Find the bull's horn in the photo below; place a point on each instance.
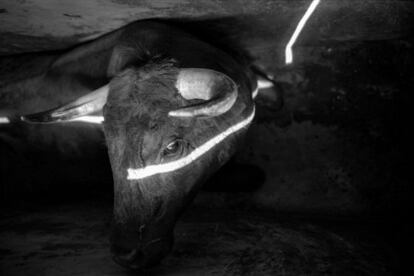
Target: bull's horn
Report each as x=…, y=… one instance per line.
x=218, y=90
x=87, y=104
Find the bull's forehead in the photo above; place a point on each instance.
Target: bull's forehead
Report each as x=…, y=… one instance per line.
x=145, y=93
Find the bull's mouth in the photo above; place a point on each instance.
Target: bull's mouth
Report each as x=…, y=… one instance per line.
x=142, y=257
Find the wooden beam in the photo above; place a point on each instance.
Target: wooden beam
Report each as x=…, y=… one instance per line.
x=36, y=25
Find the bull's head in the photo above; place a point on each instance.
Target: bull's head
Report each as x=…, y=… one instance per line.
x=163, y=126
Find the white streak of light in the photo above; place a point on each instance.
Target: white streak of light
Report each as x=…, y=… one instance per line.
x=299, y=27
x=90, y=119
x=263, y=84
x=4, y=120
x=255, y=92
x=134, y=174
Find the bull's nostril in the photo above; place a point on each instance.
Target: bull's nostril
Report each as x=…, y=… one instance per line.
x=157, y=210
x=157, y=207
x=152, y=242
x=124, y=255
x=129, y=257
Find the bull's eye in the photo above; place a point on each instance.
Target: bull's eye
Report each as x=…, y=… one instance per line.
x=173, y=148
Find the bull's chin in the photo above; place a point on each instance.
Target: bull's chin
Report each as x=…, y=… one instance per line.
x=143, y=257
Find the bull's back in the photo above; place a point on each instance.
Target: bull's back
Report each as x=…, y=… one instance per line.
x=54, y=79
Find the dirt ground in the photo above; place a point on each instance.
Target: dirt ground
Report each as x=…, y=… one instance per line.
x=72, y=239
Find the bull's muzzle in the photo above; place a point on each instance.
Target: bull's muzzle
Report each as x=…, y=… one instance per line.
x=133, y=254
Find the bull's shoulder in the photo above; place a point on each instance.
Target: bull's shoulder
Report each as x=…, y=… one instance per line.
x=90, y=58
x=94, y=57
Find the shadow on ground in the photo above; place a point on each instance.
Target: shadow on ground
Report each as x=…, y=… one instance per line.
x=72, y=239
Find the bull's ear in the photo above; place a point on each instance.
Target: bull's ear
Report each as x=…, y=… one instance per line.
x=87, y=104
x=217, y=90
x=122, y=56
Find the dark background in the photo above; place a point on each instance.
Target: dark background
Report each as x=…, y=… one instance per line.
x=321, y=186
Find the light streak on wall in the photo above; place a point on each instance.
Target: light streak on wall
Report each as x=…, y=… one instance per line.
x=299, y=27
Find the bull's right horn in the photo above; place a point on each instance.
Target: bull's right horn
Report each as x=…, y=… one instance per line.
x=217, y=89
x=87, y=104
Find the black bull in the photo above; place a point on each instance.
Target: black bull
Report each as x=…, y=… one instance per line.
x=174, y=107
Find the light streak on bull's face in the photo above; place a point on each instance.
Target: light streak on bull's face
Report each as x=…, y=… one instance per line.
x=158, y=162
x=188, y=159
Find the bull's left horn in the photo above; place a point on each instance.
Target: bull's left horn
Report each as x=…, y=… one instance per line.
x=217, y=89
x=87, y=104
